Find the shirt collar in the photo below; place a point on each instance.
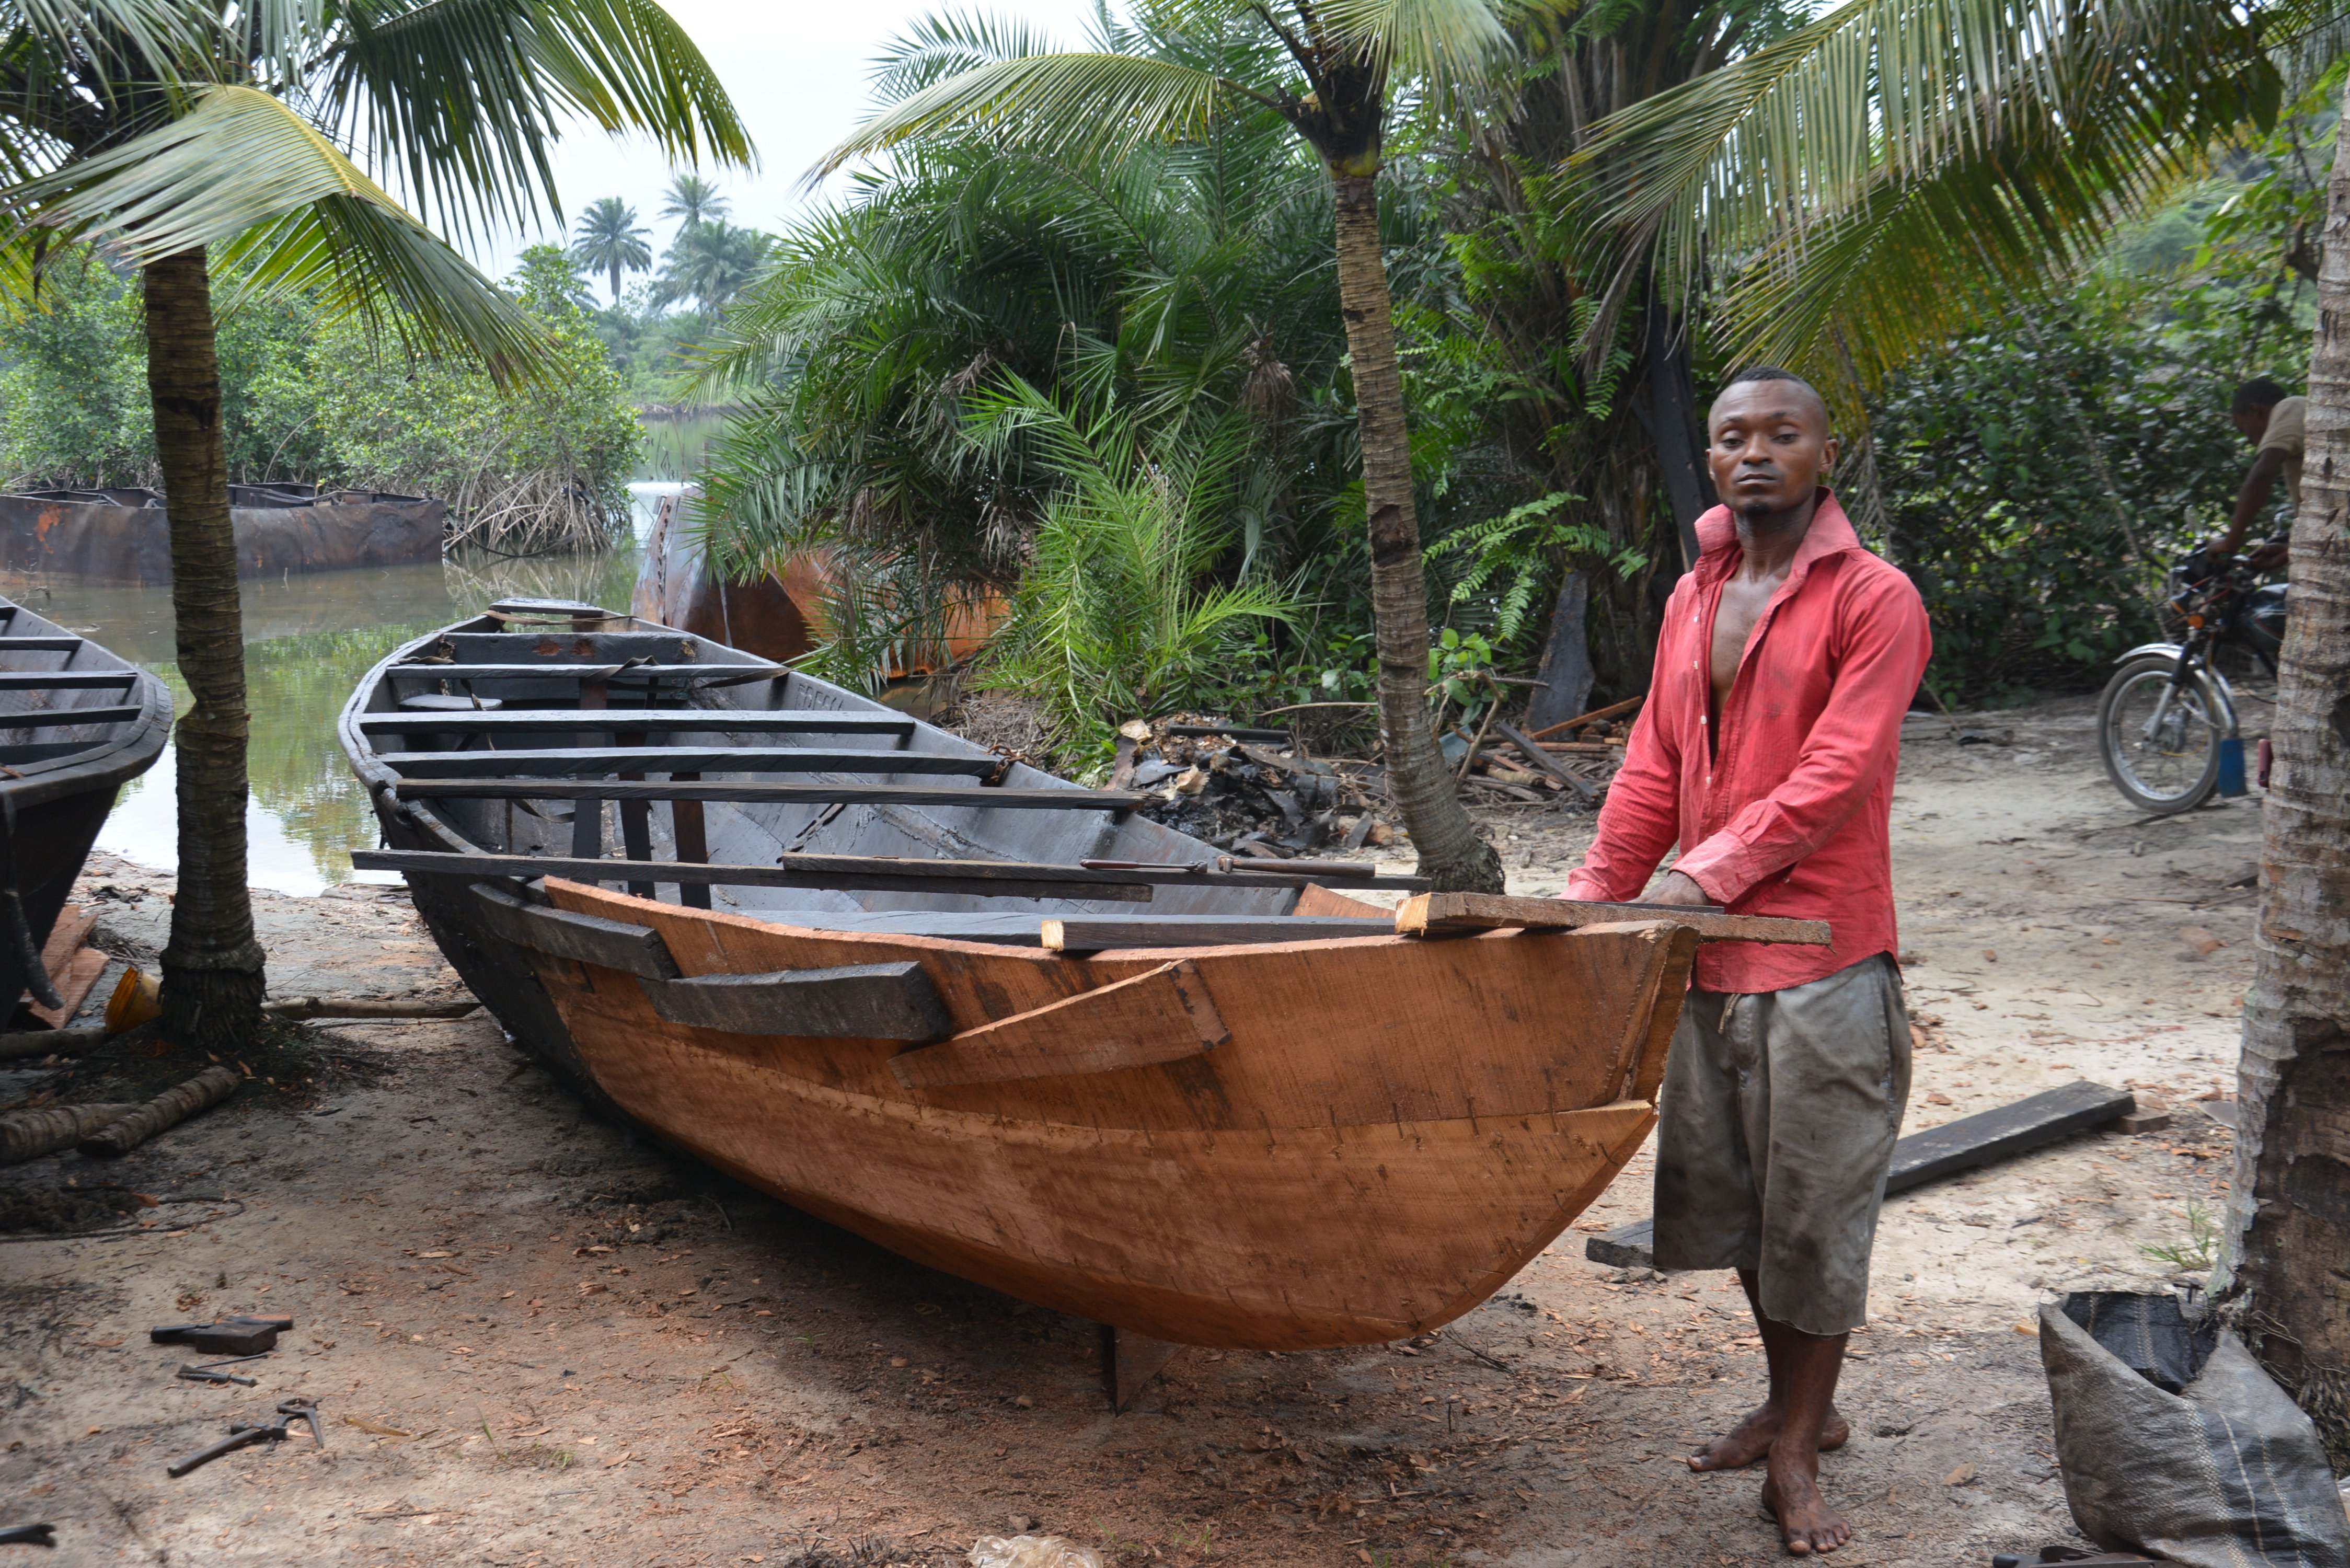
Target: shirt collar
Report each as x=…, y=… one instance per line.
x=1831, y=533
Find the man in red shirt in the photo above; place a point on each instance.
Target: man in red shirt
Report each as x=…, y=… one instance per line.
x=1766, y=751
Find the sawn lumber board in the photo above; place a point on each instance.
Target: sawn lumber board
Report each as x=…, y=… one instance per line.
x=1163, y=1015
x=1984, y=1139
x=1461, y=914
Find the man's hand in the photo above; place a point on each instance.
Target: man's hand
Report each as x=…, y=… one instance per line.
x=2271, y=556
x=1676, y=889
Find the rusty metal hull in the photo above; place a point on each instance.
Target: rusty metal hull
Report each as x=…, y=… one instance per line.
x=124, y=537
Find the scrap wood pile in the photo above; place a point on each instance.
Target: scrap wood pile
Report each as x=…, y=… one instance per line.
x=1249, y=790
x=1570, y=761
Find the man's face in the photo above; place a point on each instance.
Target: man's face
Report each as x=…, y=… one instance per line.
x=1770, y=446
x=2253, y=423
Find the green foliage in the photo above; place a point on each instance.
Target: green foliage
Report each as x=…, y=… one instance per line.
x=2199, y=1251
x=1116, y=617
x=1993, y=458
x=1522, y=548
x=311, y=397
x=609, y=241
x=1459, y=671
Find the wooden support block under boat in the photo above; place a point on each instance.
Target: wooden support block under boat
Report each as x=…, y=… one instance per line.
x=1164, y=1015
x=587, y=939
x=741, y=793
x=1465, y=914
x=852, y=1001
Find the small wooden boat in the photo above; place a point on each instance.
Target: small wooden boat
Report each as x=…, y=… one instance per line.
x=1001, y=1024
x=75, y=722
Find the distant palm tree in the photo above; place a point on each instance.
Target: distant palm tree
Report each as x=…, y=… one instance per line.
x=710, y=262
x=608, y=240
x=695, y=201
x=181, y=136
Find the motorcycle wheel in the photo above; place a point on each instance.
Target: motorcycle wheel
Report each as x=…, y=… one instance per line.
x=2174, y=769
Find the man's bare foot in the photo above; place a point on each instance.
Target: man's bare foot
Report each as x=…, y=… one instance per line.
x=1751, y=1438
x=1806, y=1523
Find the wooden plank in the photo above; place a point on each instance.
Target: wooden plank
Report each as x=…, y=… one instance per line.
x=1130, y=1360
x=741, y=721
x=588, y=939
x=1238, y=733
x=690, y=833
x=967, y=878
x=684, y=787
x=39, y=644
x=1533, y=753
x=1316, y=899
x=1593, y=717
x=590, y=759
x=1304, y=870
x=1460, y=914
x=57, y=717
x=1162, y=1015
x=855, y=1002
x=64, y=679
x=1986, y=1138
x=1092, y=933
x=427, y=670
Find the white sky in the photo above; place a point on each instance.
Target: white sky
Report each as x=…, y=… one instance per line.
x=797, y=71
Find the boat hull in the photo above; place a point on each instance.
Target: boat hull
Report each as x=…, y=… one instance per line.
x=1392, y=1130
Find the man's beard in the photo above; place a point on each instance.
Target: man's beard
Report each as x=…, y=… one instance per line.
x=1758, y=510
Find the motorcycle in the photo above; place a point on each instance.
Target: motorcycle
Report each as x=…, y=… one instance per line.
x=2167, y=724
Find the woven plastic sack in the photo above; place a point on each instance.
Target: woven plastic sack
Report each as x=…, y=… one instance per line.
x=1031, y=1552
x=2226, y=1473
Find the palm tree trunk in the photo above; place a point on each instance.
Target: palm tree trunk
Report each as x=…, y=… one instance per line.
x=212, y=979
x=2288, y=1204
x=1451, y=853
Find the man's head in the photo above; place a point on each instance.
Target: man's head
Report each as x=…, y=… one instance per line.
x=1768, y=441
x=2252, y=403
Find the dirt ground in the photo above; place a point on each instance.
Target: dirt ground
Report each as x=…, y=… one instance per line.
x=537, y=1339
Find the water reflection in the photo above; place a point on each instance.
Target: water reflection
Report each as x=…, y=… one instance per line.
x=309, y=639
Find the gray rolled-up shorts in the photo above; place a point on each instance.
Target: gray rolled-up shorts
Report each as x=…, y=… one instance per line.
x=1775, y=1127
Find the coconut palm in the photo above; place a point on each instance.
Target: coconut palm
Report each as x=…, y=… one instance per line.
x=1332, y=72
x=187, y=141
x=693, y=202
x=608, y=240
x=710, y=262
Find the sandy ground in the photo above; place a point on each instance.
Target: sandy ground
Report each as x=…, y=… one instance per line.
x=537, y=1339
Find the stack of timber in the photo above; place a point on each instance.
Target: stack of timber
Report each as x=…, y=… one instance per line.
x=123, y=535
x=77, y=722
x=1004, y=1025
x=1569, y=762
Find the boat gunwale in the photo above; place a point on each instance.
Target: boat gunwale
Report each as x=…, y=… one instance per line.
x=103, y=764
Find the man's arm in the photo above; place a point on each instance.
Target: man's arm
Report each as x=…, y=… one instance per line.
x=1851, y=745
x=2267, y=464
x=1641, y=818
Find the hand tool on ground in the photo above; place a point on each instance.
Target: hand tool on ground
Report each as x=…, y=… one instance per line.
x=244, y=1434
x=28, y=1535
x=206, y=1374
x=237, y=1336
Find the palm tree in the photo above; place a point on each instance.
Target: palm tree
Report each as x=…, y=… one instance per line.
x=1332, y=72
x=187, y=141
x=2290, y=1226
x=710, y=262
x=608, y=240
x=694, y=201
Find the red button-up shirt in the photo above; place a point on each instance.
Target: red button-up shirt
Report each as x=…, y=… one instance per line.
x=1787, y=815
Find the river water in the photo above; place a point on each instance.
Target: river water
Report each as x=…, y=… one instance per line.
x=307, y=640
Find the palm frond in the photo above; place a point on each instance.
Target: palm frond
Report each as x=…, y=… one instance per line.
x=1447, y=44
x=363, y=258
x=946, y=44
x=467, y=96
x=1061, y=103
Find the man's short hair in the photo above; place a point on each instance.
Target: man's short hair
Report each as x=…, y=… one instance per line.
x=1775, y=373
x=2260, y=392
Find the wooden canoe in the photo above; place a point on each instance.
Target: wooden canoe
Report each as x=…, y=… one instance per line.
x=824, y=970
x=77, y=722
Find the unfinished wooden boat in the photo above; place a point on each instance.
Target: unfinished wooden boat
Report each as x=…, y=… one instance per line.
x=76, y=723
x=1001, y=1024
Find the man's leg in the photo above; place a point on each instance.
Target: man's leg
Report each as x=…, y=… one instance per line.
x=1751, y=1438
x=1803, y=1373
